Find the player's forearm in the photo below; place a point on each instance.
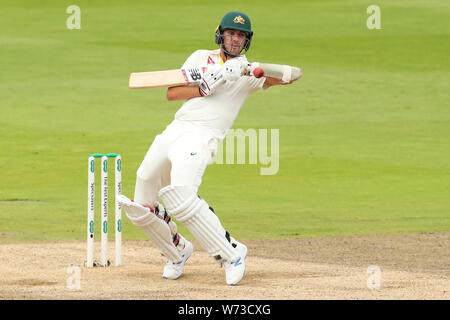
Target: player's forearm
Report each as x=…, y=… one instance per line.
x=182, y=93
x=274, y=81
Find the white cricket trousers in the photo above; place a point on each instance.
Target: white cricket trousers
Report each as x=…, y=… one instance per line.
x=178, y=156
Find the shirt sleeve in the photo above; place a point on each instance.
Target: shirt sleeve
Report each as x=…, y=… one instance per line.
x=194, y=60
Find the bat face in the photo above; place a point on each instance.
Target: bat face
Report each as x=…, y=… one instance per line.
x=166, y=78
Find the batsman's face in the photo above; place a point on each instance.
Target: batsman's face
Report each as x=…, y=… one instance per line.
x=234, y=40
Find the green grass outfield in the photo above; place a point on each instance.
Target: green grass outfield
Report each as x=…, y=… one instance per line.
x=364, y=135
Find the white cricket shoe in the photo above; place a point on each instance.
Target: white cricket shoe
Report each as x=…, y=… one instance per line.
x=234, y=272
x=174, y=270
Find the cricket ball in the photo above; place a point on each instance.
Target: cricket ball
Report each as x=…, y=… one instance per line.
x=258, y=72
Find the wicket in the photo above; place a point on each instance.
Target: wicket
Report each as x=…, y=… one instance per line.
x=104, y=209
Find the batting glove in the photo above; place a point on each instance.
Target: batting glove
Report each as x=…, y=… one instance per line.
x=233, y=69
x=212, y=78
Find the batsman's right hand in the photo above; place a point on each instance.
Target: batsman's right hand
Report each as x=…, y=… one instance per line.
x=212, y=78
x=233, y=69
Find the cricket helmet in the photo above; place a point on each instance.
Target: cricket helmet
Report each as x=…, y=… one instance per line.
x=234, y=20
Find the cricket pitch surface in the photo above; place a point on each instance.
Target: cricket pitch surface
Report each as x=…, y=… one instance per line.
x=410, y=266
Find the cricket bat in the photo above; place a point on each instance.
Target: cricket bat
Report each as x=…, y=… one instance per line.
x=193, y=76
x=166, y=78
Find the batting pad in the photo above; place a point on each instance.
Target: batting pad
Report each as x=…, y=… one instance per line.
x=184, y=204
x=156, y=229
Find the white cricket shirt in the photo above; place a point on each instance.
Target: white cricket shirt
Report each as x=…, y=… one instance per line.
x=218, y=111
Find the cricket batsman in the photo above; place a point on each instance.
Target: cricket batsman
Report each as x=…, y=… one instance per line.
x=172, y=169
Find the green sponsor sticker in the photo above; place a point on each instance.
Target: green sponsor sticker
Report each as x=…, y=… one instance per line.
x=119, y=225
x=105, y=227
x=91, y=227
x=105, y=165
x=119, y=165
x=92, y=165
